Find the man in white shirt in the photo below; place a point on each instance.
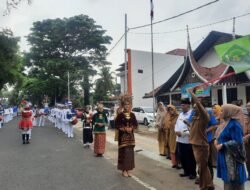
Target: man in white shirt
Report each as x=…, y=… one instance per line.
x=185, y=152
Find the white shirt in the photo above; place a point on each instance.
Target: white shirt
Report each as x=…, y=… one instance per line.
x=180, y=126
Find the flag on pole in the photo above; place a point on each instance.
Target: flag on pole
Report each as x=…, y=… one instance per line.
x=236, y=54
x=151, y=9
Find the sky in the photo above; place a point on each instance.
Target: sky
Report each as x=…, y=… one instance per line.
x=110, y=14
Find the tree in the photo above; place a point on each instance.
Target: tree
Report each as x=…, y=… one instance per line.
x=10, y=59
x=12, y=4
x=104, y=85
x=74, y=44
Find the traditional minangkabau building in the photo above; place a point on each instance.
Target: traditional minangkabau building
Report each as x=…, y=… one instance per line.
x=139, y=72
x=204, y=66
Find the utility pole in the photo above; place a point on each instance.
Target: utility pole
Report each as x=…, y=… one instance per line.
x=125, y=58
x=68, y=88
x=152, y=56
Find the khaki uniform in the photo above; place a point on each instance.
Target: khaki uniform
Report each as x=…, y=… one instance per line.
x=200, y=146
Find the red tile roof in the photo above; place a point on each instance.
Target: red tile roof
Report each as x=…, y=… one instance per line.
x=204, y=73
x=178, y=51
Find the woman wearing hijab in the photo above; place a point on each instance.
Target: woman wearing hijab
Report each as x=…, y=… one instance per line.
x=126, y=123
x=230, y=147
x=217, y=112
x=162, y=132
x=170, y=122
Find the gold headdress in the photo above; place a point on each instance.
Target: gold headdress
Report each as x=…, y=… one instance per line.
x=125, y=98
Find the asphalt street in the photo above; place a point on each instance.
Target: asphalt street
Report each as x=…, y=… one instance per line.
x=54, y=162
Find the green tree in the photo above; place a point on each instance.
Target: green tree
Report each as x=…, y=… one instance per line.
x=13, y=4
x=74, y=44
x=104, y=85
x=10, y=59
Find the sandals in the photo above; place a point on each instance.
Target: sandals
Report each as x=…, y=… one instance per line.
x=125, y=174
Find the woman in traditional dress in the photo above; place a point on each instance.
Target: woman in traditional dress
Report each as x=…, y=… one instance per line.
x=99, y=122
x=230, y=147
x=162, y=132
x=26, y=123
x=170, y=121
x=126, y=123
x=87, y=127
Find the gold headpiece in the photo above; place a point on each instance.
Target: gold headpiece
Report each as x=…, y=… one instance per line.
x=125, y=98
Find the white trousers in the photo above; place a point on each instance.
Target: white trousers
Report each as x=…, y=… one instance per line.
x=70, y=131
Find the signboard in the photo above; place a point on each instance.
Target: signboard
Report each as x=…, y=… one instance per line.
x=203, y=91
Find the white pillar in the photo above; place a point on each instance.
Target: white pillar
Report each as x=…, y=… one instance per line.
x=170, y=98
x=214, y=95
x=224, y=94
x=241, y=94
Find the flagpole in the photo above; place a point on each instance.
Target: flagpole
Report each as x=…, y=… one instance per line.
x=152, y=55
x=125, y=59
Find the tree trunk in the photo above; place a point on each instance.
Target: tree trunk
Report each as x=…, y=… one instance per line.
x=86, y=88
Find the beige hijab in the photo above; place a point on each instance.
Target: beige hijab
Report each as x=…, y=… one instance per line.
x=161, y=112
x=230, y=111
x=170, y=119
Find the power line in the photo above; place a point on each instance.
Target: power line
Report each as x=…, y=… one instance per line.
x=195, y=27
x=176, y=16
x=116, y=44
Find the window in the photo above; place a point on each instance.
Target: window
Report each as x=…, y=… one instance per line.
x=140, y=71
x=231, y=95
x=135, y=109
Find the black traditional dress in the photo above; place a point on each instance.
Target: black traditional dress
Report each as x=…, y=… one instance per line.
x=126, y=123
x=87, y=128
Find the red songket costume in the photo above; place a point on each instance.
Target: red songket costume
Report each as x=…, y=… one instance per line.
x=26, y=122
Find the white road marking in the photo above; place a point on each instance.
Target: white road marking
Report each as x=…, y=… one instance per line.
x=143, y=183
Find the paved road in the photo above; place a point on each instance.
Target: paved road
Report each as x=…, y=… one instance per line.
x=53, y=162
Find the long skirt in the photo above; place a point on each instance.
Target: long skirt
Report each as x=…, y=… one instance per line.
x=162, y=141
x=233, y=186
x=99, y=143
x=87, y=135
x=172, y=141
x=126, y=158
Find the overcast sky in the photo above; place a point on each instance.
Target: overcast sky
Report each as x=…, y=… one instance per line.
x=110, y=15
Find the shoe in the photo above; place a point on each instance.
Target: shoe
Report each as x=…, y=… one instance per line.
x=174, y=166
x=129, y=174
x=197, y=181
x=178, y=167
x=99, y=155
x=192, y=177
x=211, y=188
x=124, y=174
x=183, y=175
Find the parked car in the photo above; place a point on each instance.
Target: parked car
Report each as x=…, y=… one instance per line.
x=143, y=114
